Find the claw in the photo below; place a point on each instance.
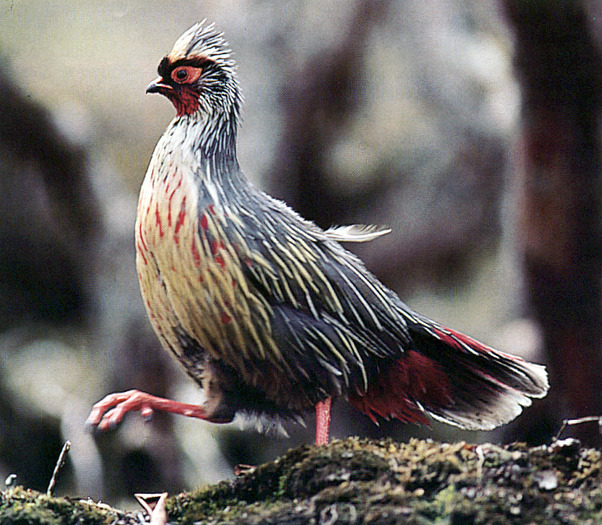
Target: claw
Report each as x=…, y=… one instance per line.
x=147, y=413
x=109, y=411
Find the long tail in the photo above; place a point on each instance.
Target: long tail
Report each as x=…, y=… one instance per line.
x=455, y=379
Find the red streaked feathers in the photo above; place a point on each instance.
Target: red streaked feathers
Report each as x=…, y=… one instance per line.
x=171, y=196
x=181, y=216
x=195, y=254
x=158, y=220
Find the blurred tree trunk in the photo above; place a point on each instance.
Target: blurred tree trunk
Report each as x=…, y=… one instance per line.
x=559, y=165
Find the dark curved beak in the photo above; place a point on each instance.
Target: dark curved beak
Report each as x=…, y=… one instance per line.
x=158, y=86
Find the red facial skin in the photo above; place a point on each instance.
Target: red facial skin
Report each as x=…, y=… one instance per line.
x=179, y=89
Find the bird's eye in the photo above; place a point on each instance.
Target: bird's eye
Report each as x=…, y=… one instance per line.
x=185, y=74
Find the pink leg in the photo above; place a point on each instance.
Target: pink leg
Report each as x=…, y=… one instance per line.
x=109, y=411
x=322, y=421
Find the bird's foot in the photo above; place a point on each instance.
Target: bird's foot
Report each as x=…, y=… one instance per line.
x=109, y=411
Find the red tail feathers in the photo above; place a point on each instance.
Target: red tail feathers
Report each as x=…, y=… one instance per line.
x=452, y=378
x=412, y=379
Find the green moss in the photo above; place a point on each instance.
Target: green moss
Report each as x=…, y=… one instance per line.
x=419, y=482
x=374, y=482
x=28, y=507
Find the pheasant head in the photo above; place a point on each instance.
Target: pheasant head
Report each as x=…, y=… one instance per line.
x=198, y=77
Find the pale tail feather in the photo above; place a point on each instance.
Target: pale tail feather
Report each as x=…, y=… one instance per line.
x=356, y=233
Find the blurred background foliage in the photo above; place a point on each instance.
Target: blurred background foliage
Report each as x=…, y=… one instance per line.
x=471, y=128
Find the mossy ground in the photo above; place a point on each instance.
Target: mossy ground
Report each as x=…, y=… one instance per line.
x=376, y=482
x=28, y=507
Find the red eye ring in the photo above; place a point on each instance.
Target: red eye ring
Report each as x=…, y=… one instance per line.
x=185, y=74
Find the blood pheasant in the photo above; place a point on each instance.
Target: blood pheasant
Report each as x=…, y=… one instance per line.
x=268, y=312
